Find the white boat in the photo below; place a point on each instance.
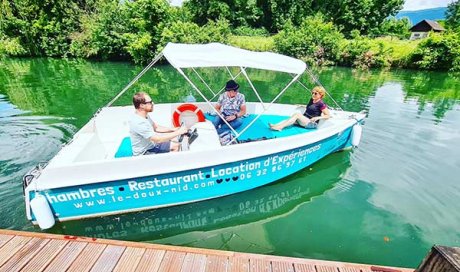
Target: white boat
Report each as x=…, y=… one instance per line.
x=96, y=175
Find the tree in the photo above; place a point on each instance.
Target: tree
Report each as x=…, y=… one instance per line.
x=393, y=27
x=453, y=15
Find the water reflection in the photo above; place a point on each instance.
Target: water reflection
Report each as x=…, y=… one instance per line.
x=265, y=203
x=25, y=140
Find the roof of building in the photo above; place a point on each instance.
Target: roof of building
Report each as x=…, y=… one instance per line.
x=430, y=23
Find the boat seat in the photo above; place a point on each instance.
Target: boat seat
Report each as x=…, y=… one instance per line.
x=125, y=149
x=261, y=129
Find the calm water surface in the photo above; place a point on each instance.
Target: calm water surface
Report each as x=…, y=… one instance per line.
x=385, y=203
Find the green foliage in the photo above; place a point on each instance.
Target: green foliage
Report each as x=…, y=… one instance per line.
x=253, y=43
x=274, y=14
x=186, y=32
x=453, y=15
x=362, y=15
x=248, y=31
x=438, y=52
x=11, y=47
x=42, y=27
x=237, y=12
x=315, y=41
x=121, y=31
x=393, y=27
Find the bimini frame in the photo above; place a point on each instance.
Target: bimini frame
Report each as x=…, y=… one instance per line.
x=179, y=68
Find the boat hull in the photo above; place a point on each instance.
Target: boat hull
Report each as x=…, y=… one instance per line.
x=168, y=189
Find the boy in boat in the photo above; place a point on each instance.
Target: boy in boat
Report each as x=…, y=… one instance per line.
x=146, y=136
x=232, y=106
x=316, y=109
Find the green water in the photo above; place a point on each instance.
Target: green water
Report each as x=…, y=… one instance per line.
x=385, y=203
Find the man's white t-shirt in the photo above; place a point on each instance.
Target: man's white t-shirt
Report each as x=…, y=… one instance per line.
x=141, y=130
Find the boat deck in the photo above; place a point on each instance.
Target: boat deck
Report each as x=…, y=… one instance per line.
x=30, y=251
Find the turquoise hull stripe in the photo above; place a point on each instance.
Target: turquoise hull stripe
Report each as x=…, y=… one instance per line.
x=187, y=186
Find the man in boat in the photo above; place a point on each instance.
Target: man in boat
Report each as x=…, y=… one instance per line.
x=146, y=136
x=316, y=109
x=232, y=106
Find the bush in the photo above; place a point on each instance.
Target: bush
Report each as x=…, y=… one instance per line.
x=253, y=43
x=186, y=32
x=247, y=31
x=440, y=51
x=393, y=27
x=11, y=47
x=314, y=41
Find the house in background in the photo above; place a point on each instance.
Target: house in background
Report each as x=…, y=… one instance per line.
x=421, y=29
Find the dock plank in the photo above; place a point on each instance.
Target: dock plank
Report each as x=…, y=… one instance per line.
x=151, y=260
x=194, y=263
x=86, y=259
x=303, y=267
x=5, y=238
x=259, y=265
x=130, y=259
x=350, y=269
x=45, y=255
x=238, y=264
x=172, y=261
x=216, y=263
x=326, y=268
x=282, y=267
x=24, y=255
x=11, y=247
x=108, y=259
x=66, y=257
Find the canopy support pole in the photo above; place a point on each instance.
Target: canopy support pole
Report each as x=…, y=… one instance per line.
x=204, y=97
x=267, y=108
x=243, y=70
x=317, y=82
x=204, y=82
x=223, y=88
x=155, y=60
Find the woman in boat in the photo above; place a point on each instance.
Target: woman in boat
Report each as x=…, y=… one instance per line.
x=232, y=106
x=316, y=109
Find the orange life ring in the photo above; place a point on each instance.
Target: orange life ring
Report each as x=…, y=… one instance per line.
x=187, y=107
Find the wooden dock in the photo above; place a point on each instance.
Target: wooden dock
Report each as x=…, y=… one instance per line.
x=30, y=251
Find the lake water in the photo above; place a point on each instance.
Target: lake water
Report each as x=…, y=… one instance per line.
x=386, y=202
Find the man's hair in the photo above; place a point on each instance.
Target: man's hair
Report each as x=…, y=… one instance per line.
x=138, y=99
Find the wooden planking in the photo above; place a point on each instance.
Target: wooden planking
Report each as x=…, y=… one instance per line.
x=24, y=255
x=45, y=256
x=278, y=266
x=11, y=247
x=66, y=257
x=238, y=264
x=4, y=238
x=108, y=259
x=259, y=265
x=194, y=263
x=130, y=259
x=216, y=263
x=303, y=267
x=84, y=262
x=23, y=251
x=151, y=260
x=350, y=269
x=172, y=261
x=326, y=268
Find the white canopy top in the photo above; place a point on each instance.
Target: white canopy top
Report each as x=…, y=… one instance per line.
x=220, y=55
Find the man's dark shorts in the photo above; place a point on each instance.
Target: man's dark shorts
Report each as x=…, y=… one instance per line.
x=159, y=148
